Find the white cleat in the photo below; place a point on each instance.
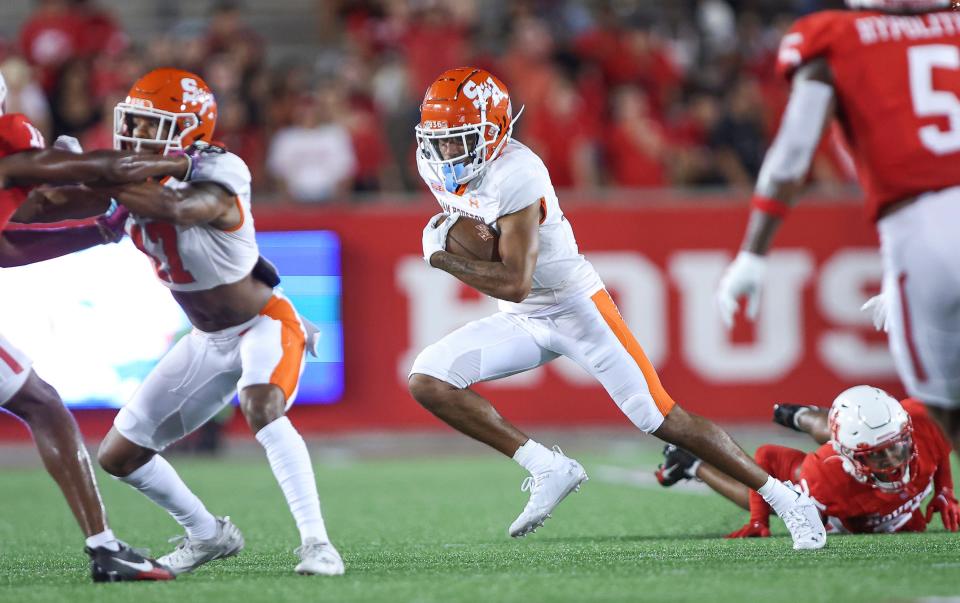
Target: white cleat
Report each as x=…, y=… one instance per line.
x=318, y=559
x=806, y=527
x=191, y=554
x=547, y=490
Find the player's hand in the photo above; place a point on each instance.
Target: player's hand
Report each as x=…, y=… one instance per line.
x=67, y=143
x=877, y=306
x=112, y=223
x=743, y=278
x=945, y=503
x=754, y=529
x=435, y=235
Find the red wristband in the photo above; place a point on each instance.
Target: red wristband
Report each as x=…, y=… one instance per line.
x=770, y=206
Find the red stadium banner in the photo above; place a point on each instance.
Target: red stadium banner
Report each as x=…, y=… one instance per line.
x=661, y=263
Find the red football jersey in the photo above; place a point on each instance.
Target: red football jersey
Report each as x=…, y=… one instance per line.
x=862, y=508
x=16, y=134
x=897, y=81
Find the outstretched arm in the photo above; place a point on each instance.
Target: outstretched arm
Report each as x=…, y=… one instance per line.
x=782, y=176
x=22, y=247
x=55, y=166
x=511, y=278
x=197, y=203
x=44, y=205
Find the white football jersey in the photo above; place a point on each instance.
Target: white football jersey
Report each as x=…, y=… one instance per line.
x=201, y=257
x=513, y=181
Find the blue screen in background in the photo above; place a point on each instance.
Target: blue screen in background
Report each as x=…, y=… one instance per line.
x=96, y=322
x=309, y=264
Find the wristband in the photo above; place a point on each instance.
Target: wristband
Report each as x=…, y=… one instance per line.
x=770, y=206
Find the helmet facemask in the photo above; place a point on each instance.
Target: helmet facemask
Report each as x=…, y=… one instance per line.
x=172, y=128
x=885, y=465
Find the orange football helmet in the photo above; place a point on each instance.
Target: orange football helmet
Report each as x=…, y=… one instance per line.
x=182, y=103
x=471, y=105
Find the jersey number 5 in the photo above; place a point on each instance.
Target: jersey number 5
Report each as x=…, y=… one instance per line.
x=929, y=102
x=163, y=234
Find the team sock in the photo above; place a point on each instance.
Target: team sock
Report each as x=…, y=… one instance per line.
x=778, y=495
x=534, y=457
x=290, y=461
x=159, y=482
x=104, y=539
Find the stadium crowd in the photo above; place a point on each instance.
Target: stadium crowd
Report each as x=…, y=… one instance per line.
x=627, y=93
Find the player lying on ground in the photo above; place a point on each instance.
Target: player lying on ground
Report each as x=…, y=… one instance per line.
x=552, y=304
x=906, y=148
x=197, y=227
x=878, y=462
x=25, y=163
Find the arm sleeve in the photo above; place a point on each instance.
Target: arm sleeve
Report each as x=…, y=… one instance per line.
x=792, y=151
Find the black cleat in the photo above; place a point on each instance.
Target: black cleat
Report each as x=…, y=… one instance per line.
x=786, y=414
x=124, y=565
x=677, y=465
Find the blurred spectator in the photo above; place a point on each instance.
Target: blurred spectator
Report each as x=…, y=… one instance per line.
x=738, y=139
x=313, y=160
x=624, y=93
x=74, y=107
x=60, y=30
x=636, y=148
x=24, y=95
x=560, y=135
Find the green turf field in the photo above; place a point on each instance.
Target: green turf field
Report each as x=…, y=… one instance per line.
x=435, y=530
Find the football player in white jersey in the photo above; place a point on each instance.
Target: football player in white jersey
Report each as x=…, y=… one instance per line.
x=552, y=303
x=197, y=228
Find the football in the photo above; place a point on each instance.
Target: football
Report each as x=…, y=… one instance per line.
x=470, y=238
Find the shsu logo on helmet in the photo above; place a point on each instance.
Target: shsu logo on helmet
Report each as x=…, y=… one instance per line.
x=481, y=93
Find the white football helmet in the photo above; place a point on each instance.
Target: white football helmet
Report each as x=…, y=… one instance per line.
x=900, y=6
x=873, y=436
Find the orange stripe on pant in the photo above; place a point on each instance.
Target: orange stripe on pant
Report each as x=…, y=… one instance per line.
x=611, y=315
x=292, y=341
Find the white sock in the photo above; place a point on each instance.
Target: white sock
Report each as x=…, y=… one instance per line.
x=159, y=482
x=778, y=495
x=104, y=539
x=290, y=462
x=533, y=457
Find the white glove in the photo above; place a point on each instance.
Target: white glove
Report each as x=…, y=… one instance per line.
x=743, y=278
x=435, y=237
x=877, y=306
x=67, y=143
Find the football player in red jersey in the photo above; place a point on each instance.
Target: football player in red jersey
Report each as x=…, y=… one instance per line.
x=878, y=461
x=24, y=163
x=889, y=71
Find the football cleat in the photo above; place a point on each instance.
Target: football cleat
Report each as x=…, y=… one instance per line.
x=677, y=465
x=786, y=414
x=124, y=565
x=547, y=489
x=318, y=559
x=191, y=554
x=805, y=525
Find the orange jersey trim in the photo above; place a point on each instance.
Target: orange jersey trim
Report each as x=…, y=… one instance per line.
x=243, y=217
x=293, y=342
x=611, y=315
